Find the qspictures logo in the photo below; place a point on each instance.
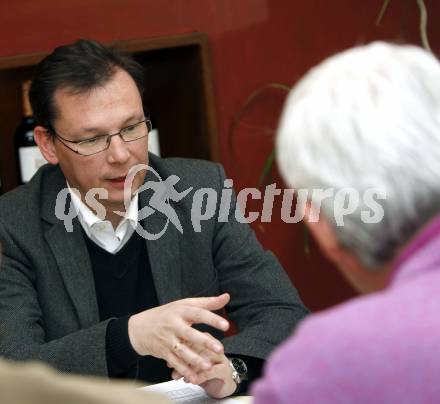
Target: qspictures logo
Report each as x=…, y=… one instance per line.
x=207, y=202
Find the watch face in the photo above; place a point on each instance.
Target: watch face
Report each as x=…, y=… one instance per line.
x=240, y=367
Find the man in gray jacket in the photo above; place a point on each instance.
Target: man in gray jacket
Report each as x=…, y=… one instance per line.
x=108, y=264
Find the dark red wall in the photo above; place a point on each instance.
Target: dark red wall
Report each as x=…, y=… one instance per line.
x=253, y=42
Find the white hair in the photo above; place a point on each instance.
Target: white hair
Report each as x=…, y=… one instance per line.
x=368, y=117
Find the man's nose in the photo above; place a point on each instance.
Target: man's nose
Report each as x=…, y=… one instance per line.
x=117, y=150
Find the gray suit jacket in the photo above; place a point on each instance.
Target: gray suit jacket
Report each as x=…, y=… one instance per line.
x=48, y=307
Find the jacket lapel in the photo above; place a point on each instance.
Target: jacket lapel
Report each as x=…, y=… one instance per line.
x=71, y=255
x=73, y=262
x=163, y=252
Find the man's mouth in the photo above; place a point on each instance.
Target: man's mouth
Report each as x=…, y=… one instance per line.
x=118, y=180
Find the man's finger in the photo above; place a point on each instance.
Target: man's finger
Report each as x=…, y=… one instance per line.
x=216, y=372
x=176, y=375
x=199, y=340
x=181, y=367
x=209, y=354
x=197, y=362
x=196, y=315
x=209, y=303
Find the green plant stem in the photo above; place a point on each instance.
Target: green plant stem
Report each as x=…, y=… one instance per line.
x=382, y=11
x=267, y=168
x=424, y=25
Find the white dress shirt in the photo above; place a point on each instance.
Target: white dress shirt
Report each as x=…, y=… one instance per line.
x=100, y=231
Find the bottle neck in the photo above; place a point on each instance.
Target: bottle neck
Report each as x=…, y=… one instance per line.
x=27, y=109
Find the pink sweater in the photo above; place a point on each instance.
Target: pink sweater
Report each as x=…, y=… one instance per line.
x=378, y=348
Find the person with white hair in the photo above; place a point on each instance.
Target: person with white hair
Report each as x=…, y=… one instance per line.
x=360, y=136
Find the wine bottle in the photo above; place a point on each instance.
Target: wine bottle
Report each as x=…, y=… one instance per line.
x=28, y=154
x=153, y=139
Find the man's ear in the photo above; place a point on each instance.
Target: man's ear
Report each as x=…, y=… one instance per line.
x=347, y=263
x=44, y=140
x=323, y=232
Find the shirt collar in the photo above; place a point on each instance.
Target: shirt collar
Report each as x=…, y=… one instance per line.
x=90, y=219
x=421, y=254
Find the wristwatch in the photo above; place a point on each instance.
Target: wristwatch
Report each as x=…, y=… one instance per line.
x=239, y=370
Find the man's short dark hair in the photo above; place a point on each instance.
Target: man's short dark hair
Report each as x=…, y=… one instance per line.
x=80, y=67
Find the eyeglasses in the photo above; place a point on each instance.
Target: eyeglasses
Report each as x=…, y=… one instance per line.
x=97, y=144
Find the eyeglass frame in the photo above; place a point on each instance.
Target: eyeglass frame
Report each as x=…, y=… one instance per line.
x=109, y=136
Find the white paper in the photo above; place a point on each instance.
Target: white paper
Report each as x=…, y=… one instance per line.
x=186, y=393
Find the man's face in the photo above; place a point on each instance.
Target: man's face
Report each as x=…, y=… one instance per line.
x=103, y=110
